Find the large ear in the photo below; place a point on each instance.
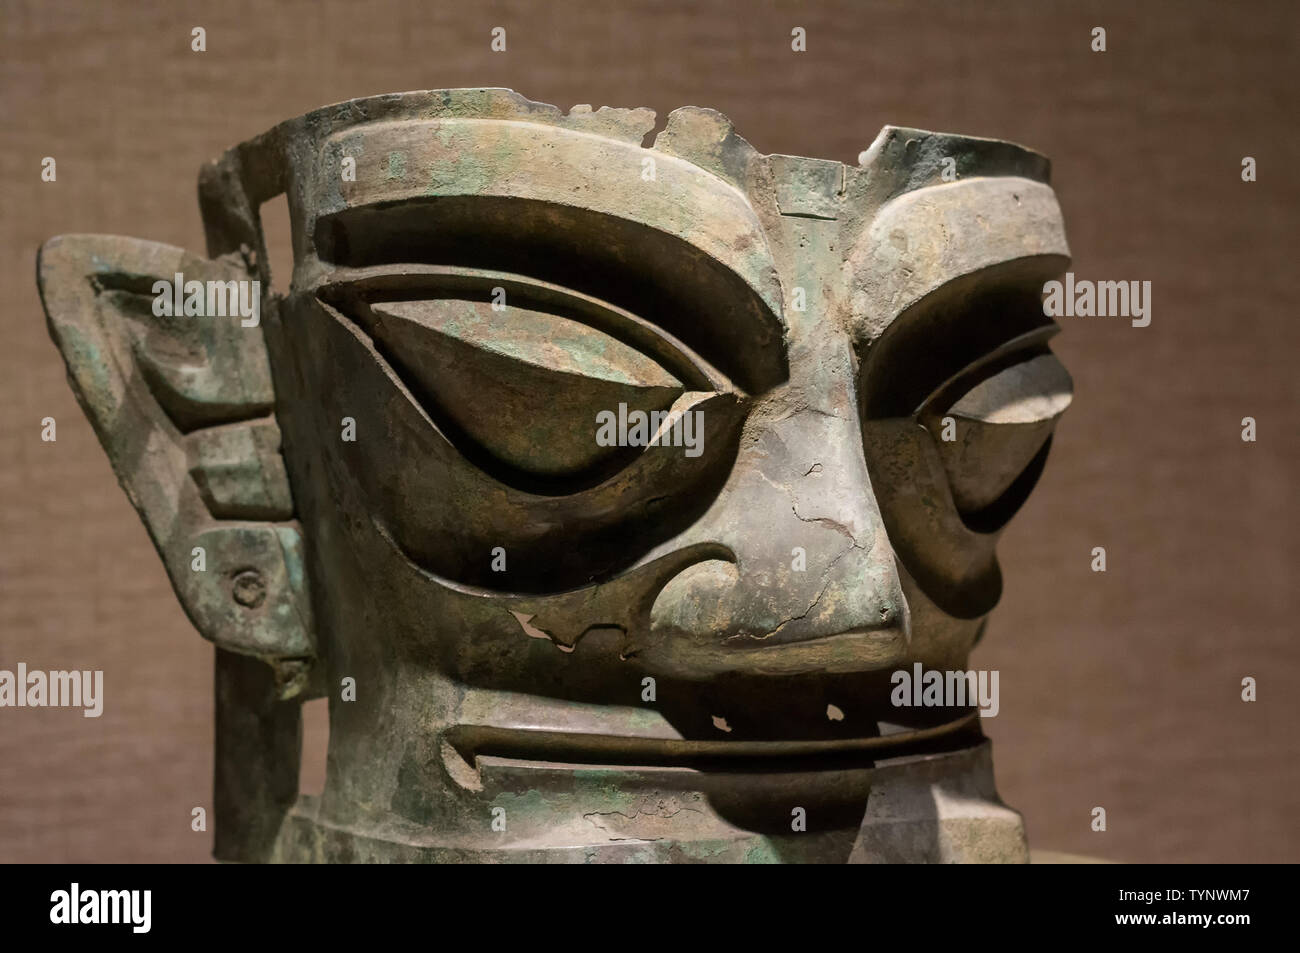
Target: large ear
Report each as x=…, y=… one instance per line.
x=183, y=405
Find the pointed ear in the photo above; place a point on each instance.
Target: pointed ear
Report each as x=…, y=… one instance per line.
x=183, y=405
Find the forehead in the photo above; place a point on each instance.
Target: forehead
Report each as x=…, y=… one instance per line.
x=510, y=188
x=488, y=178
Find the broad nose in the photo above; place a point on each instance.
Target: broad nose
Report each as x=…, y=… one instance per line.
x=814, y=585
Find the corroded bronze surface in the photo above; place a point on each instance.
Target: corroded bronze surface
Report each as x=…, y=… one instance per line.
x=421, y=482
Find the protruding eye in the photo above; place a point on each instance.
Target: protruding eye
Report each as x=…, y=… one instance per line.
x=491, y=425
x=519, y=375
x=524, y=385
x=999, y=423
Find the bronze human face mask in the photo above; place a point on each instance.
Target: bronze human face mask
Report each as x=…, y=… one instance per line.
x=601, y=486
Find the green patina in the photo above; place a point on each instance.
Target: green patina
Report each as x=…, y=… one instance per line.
x=396, y=168
x=602, y=785
x=531, y=803
x=705, y=850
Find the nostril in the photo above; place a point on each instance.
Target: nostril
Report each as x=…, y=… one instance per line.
x=894, y=611
x=699, y=599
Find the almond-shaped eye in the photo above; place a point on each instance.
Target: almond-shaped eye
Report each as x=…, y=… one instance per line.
x=999, y=425
x=524, y=385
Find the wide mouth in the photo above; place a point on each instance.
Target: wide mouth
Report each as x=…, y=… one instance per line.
x=470, y=743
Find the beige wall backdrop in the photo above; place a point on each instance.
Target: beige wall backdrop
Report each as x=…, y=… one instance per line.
x=1119, y=690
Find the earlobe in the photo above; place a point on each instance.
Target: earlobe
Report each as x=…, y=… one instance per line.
x=182, y=401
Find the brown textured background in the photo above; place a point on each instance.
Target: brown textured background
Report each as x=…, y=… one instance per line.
x=1118, y=689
